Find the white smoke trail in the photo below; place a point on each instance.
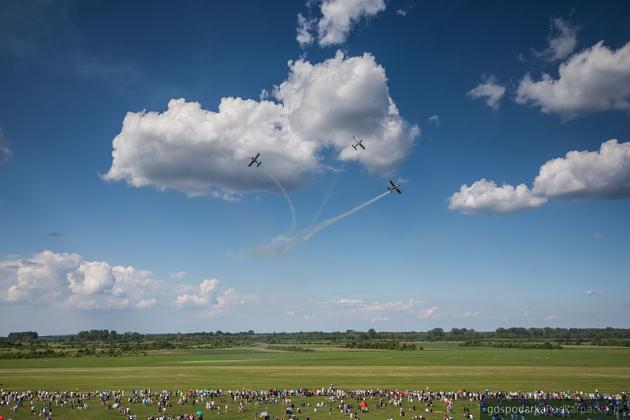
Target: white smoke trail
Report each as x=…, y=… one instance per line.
x=286, y=196
x=264, y=249
x=325, y=200
x=309, y=233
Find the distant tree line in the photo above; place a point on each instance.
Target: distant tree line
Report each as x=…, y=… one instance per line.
x=135, y=341
x=511, y=344
x=289, y=348
x=16, y=337
x=590, y=334
x=106, y=335
x=383, y=345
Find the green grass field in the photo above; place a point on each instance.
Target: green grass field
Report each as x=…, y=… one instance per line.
x=440, y=366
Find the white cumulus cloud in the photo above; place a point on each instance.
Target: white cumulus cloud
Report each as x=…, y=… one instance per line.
x=485, y=196
x=41, y=279
x=62, y=279
x=594, y=80
x=227, y=300
x=583, y=174
x=66, y=280
x=213, y=301
x=319, y=106
x=602, y=174
x=337, y=18
x=489, y=89
x=202, y=297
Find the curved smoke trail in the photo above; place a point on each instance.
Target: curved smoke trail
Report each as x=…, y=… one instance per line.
x=325, y=201
x=286, y=197
x=309, y=233
x=283, y=238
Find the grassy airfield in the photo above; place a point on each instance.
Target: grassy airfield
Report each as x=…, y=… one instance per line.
x=440, y=366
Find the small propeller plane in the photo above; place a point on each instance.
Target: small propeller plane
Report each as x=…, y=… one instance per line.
x=255, y=160
x=359, y=143
x=393, y=187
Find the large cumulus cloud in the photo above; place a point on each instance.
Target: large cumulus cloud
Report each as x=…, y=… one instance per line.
x=67, y=280
x=594, y=80
x=485, y=196
x=604, y=173
x=601, y=174
x=319, y=106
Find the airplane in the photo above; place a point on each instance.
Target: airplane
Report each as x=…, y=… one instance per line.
x=393, y=187
x=359, y=143
x=255, y=160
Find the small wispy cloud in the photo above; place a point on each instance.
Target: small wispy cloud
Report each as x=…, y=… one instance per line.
x=372, y=310
x=5, y=152
x=349, y=302
x=562, y=41
x=380, y=319
x=44, y=33
x=337, y=19
x=398, y=305
x=177, y=275
x=598, y=236
x=428, y=313
x=434, y=119
x=471, y=314
x=489, y=89
x=404, y=11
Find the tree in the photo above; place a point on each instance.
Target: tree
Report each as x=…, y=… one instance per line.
x=15, y=337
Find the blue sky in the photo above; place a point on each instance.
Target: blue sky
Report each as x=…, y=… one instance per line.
x=134, y=242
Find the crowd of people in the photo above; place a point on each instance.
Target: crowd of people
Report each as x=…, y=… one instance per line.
x=353, y=403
